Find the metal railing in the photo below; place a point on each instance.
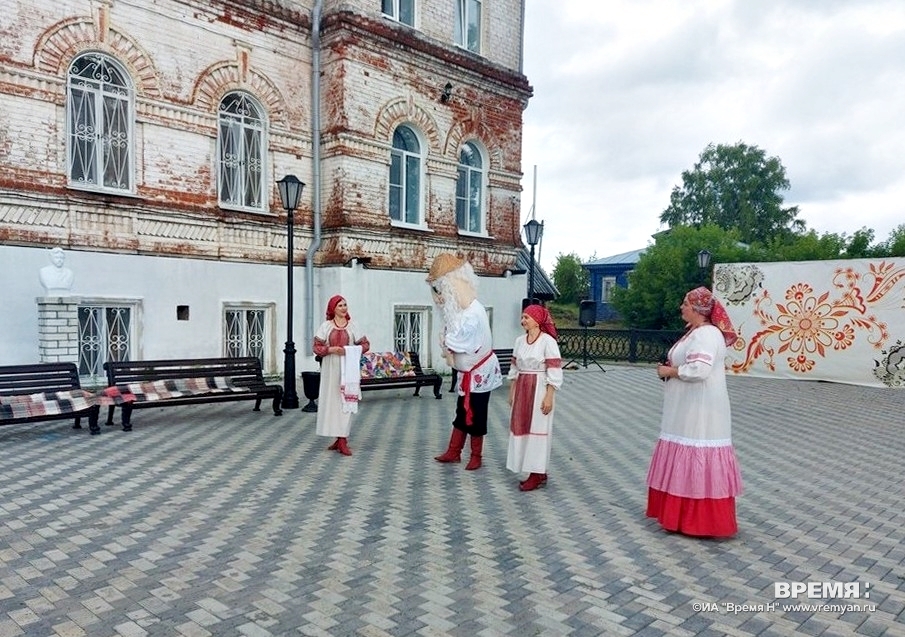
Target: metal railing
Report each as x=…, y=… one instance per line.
x=634, y=346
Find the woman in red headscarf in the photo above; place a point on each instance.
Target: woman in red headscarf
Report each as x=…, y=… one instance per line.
x=332, y=342
x=535, y=375
x=694, y=477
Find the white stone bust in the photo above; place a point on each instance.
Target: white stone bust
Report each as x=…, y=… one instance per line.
x=56, y=277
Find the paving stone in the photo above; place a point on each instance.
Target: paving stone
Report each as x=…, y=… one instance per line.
x=217, y=520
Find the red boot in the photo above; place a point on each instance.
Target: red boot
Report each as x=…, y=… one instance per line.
x=477, y=446
x=342, y=446
x=334, y=446
x=534, y=481
x=543, y=479
x=454, y=451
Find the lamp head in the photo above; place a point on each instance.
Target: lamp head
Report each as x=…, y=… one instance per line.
x=534, y=230
x=704, y=257
x=290, y=192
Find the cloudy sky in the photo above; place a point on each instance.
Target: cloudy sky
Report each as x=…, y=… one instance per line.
x=628, y=93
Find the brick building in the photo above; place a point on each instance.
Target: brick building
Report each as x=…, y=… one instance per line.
x=146, y=139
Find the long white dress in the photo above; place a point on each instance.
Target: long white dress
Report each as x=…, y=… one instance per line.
x=331, y=419
x=534, y=366
x=694, y=476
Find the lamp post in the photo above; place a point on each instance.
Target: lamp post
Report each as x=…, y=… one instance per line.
x=290, y=192
x=704, y=257
x=534, y=230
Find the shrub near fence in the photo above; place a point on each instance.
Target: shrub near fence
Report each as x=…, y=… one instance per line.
x=634, y=346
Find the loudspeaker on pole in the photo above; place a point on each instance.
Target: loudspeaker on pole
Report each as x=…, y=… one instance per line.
x=587, y=313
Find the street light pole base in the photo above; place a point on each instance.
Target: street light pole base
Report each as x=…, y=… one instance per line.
x=290, y=393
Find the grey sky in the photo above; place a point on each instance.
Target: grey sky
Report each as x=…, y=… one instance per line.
x=628, y=93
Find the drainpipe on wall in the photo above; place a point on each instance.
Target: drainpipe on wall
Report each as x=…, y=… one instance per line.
x=315, y=171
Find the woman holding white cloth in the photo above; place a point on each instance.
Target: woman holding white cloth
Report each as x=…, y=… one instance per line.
x=535, y=375
x=334, y=408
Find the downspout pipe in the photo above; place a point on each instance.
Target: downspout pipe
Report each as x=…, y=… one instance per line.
x=315, y=172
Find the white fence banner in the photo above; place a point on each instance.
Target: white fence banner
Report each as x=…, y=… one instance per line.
x=841, y=321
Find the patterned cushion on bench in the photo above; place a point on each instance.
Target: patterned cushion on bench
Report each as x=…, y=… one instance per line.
x=386, y=365
x=52, y=403
x=152, y=390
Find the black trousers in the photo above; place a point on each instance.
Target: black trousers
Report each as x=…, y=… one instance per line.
x=479, y=403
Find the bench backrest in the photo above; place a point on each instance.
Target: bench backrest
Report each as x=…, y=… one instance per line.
x=505, y=358
x=40, y=377
x=247, y=369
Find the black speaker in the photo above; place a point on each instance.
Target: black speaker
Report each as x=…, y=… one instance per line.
x=587, y=313
x=526, y=302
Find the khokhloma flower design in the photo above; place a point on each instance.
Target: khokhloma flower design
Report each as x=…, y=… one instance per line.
x=807, y=324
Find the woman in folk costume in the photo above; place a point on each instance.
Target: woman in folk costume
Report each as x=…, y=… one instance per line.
x=535, y=375
x=340, y=343
x=694, y=477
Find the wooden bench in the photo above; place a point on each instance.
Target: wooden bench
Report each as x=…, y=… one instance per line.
x=152, y=383
x=415, y=377
x=46, y=391
x=503, y=355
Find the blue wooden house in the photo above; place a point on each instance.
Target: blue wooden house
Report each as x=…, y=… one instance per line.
x=607, y=273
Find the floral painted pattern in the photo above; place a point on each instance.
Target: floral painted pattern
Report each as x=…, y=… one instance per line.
x=806, y=324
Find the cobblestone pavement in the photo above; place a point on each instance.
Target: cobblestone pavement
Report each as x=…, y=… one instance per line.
x=217, y=520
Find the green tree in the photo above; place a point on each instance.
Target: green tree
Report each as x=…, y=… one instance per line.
x=570, y=278
x=894, y=246
x=734, y=187
x=668, y=269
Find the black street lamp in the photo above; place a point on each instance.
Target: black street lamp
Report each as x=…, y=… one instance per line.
x=534, y=230
x=704, y=257
x=290, y=193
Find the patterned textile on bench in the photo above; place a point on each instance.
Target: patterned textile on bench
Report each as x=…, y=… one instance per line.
x=389, y=370
x=54, y=403
x=386, y=365
x=152, y=390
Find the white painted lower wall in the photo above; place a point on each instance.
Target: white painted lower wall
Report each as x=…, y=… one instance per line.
x=160, y=284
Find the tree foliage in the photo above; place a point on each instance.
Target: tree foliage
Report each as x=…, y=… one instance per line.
x=570, y=278
x=734, y=187
x=667, y=270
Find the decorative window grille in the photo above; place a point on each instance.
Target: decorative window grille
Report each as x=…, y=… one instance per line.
x=106, y=333
x=247, y=332
x=468, y=25
x=400, y=10
x=241, y=142
x=100, y=115
x=405, y=177
x=410, y=325
x=470, y=190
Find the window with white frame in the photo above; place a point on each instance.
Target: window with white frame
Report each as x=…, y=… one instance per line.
x=470, y=190
x=241, y=143
x=100, y=111
x=106, y=333
x=406, y=164
x=246, y=331
x=400, y=10
x=468, y=25
x=607, y=285
x=410, y=329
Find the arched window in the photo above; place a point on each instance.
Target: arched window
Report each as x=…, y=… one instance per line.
x=405, y=177
x=241, y=145
x=470, y=190
x=100, y=115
